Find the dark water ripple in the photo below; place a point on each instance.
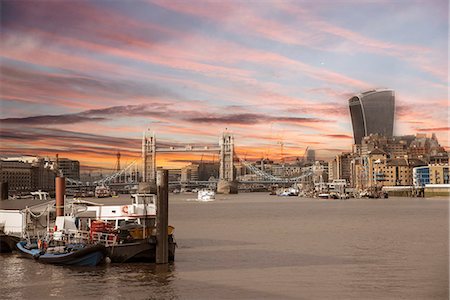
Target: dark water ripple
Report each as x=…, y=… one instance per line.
x=254, y=246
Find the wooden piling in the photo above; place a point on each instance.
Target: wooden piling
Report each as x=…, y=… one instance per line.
x=60, y=190
x=162, y=217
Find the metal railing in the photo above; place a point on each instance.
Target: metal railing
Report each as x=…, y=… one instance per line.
x=91, y=237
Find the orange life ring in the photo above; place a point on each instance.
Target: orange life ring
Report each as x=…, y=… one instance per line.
x=125, y=209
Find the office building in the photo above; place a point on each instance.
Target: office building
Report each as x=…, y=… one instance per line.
x=69, y=168
x=311, y=156
x=431, y=174
x=26, y=174
x=372, y=112
x=18, y=174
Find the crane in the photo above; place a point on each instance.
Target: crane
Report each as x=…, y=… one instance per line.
x=281, y=143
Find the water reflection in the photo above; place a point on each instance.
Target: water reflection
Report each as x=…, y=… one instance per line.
x=27, y=279
x=256, y=247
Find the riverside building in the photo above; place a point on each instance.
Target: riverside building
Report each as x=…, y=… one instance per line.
x=26, y=174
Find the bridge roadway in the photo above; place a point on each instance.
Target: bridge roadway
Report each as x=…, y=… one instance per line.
x=187, y=149
x=190, y=183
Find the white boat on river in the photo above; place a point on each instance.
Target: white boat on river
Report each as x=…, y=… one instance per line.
x=206, y=195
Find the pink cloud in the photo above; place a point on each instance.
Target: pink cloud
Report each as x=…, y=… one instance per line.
x=447, y=129
x=314, y=36
x=236, y=66
x=238, y=53
x=418, y=56
x=255, y=23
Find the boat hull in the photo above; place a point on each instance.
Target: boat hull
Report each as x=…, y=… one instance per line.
x=8, y=243
x=27, y=252
x=89, y=256
x=139, y=251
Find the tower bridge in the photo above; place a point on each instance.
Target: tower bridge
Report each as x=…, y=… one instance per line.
x=143, y=171
x=225, y=148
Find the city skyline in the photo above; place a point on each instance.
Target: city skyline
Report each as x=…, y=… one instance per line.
x=84, y=79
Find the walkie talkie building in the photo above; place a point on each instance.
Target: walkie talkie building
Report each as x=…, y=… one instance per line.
x=372, y=112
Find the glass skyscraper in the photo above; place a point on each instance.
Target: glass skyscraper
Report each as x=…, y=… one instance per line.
x=372, y=112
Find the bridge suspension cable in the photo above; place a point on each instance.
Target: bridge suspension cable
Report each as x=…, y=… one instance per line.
x=106, y=180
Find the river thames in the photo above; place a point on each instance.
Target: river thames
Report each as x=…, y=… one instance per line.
x=253, y=246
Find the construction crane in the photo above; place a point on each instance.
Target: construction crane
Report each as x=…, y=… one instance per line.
x=281, y=143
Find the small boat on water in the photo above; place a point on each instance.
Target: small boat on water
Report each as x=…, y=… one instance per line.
x=206, y=195
x=71, y=254
x=74, y=254
x=28, y=250
x=324, y=196
x=292, y=191
x=102, y=191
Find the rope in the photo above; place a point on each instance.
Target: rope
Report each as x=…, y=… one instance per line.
x=36, y=216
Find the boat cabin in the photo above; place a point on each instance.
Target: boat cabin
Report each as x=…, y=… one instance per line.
x=142, y=209
x=26, y=216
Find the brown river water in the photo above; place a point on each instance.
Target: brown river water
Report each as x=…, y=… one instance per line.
x=254, y=246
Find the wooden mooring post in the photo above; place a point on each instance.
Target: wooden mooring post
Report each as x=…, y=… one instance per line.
x=162, y=217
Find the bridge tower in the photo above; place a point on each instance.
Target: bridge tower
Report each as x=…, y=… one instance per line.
x=227, y=183
x=148, y=162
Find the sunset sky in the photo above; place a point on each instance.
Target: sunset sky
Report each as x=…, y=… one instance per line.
x=84, y=79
